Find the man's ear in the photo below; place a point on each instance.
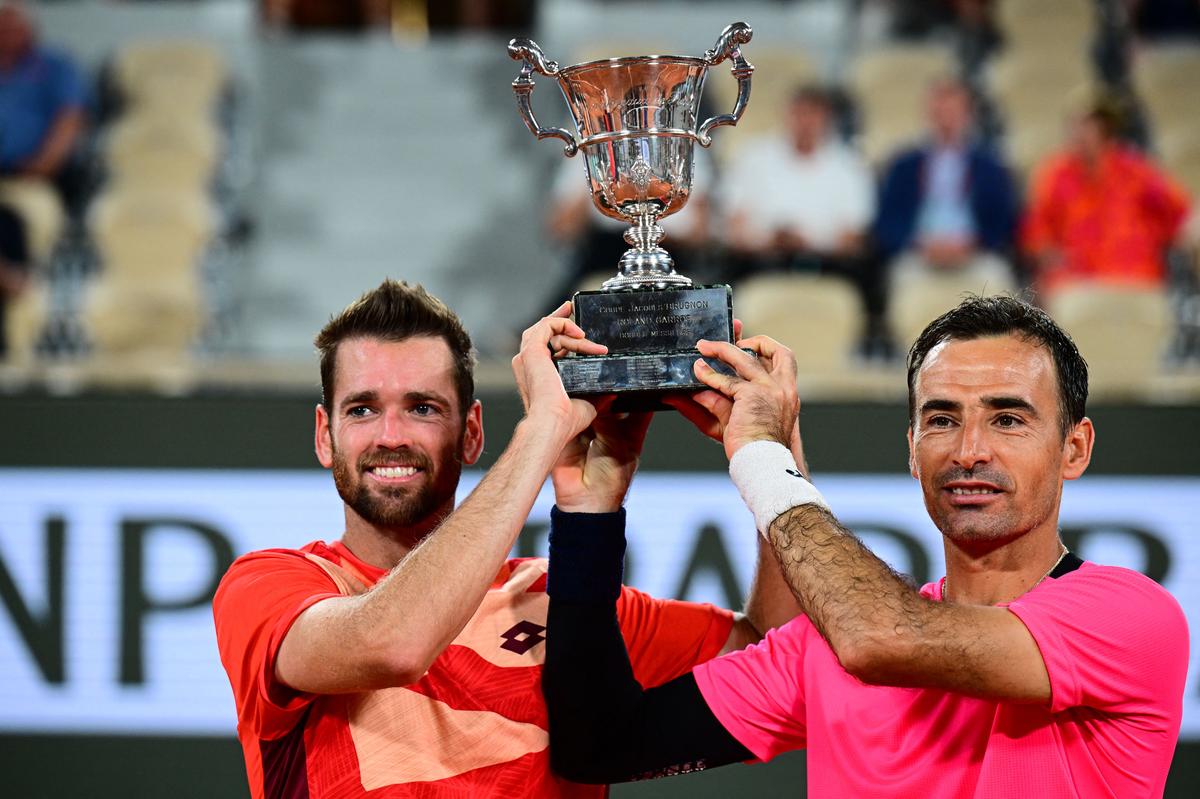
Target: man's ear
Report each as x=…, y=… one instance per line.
x=1077, y=449
x=473, y=434
x=912, y=458
x=323, y=438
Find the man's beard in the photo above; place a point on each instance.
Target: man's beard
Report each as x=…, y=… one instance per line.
x=397, y=507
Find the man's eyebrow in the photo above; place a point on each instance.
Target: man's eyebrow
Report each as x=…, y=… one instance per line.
x=940, y=405
x=427, y=396
x=1010, y=403
x=361, y=396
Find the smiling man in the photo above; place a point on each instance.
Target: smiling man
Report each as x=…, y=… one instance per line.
x=405, y=659
x=1024, y=672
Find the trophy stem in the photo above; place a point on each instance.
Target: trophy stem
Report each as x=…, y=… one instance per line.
x=645, y=264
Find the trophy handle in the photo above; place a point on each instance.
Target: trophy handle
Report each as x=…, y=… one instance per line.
x=535, y=60
x=728, y=46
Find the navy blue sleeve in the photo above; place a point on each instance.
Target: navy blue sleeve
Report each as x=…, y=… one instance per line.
x=603, y=726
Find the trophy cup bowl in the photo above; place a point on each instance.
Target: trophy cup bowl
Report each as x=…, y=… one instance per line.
x=637, y=123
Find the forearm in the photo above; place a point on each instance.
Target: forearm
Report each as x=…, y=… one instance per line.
x=389, y=635
x=57, y=145
x=885, y=633
x=432, y=593
x=869, y=614
x=770, y=603
x=603, y=726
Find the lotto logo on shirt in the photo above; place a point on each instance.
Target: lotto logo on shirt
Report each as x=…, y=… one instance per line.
x=522, y=637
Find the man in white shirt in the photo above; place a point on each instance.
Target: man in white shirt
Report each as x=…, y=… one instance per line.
x=802, y=201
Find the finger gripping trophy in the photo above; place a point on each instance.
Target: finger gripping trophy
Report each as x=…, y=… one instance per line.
x=637, y=124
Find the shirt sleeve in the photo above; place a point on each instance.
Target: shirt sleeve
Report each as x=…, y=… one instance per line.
x=758, y=693
x=258, y=599
x=1111, y=639
x=66, y=85
x=859, y=193
x=666, y=637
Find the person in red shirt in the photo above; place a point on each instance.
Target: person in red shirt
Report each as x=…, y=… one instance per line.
x=405, y=658
x=1101, y=212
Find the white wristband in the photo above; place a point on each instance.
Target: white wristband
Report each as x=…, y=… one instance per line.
x=770, y=483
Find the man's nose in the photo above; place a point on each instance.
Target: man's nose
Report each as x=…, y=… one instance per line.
x=394, y=432
x=973, y=447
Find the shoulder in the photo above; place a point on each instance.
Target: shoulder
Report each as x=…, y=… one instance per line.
x=1118, y=582
x=1112, y=596
x=905, y=163
x=987, y=159
x=57, y=61
x=255, y=569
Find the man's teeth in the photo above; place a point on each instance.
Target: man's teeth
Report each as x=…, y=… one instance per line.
x=395, y=471
x=973, y=491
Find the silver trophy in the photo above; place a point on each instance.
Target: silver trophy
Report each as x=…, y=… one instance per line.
x=637, y=123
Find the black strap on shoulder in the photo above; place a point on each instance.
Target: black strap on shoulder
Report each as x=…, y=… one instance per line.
x=1069, y=563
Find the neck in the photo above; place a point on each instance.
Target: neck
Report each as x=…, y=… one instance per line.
x=385, y=547
x=805, y=146
x=1001, y=574
x=948, y=140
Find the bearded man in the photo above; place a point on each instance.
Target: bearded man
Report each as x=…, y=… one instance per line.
x=405, y=659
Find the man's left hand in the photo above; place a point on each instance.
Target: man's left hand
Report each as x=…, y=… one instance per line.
x=761, y=400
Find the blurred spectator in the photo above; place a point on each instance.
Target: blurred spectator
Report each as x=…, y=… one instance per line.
x=327, y=15
x=1100, y=211
x=596, y=242
x=14, y=266
x=802, y=201
x=42, y=101
x=948, y=204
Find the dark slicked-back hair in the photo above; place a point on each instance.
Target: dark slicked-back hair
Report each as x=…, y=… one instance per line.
x=982, y=317
x=396, y=311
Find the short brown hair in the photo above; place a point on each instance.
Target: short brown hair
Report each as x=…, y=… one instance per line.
x=396, y=311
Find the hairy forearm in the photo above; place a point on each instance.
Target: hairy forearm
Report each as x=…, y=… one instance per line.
x=864, y=610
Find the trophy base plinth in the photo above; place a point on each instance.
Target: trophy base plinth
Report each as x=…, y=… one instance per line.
x=638, y=379
x=651, y=336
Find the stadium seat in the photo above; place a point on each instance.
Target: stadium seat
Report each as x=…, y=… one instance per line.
x=1122, y=331
x=1057, y=25
x=1167, y=78
x=185, y=75
x=146, y=232
x=162, y=150
x=24, y=319
x=819, y=318
x=41, y=210
x=125, y=317
x=916, y=302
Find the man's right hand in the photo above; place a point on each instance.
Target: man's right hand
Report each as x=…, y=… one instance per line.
x=596, y=467
x=546, y=401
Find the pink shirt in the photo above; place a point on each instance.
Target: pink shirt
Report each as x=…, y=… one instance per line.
x=1115, y=645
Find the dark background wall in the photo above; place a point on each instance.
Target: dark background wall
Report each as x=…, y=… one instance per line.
x=241, y=431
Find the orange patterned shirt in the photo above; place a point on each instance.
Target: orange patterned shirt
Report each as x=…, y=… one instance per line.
x=1112, y=224
x=474, y=725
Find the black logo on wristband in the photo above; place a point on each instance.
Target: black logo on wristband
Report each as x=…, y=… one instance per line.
x=794, y=473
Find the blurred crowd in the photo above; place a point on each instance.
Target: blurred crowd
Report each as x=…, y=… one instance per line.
x=973, y=145
x=1034, y=162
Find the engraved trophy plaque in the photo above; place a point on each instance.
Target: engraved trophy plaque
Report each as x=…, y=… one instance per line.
x=637, y=123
